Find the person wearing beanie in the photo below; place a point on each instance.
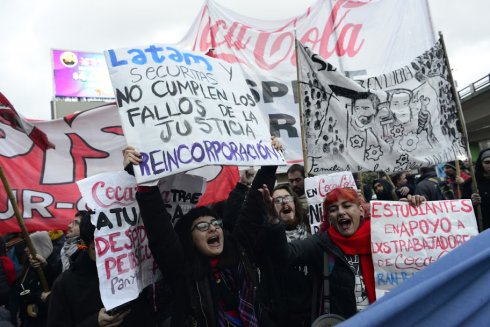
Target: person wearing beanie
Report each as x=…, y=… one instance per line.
x=456, y=182
x=211, y=272
x=482, y=176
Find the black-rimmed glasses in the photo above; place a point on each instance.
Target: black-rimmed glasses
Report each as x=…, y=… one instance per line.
x=283, y=199
x=204, y=225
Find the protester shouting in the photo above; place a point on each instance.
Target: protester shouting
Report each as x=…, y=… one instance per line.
x=286, y=293
x=212, y=272
x=341, y=256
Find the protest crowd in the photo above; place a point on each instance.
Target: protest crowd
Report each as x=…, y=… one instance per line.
x=311, y=219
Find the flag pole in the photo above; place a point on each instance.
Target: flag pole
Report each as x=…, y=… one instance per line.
x=361, y=183
x=300, y=103
x=25, y=234
x=459, y=110
x=393, y=191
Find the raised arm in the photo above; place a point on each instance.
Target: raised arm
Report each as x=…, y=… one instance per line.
x=296, y=253
x=162, y=239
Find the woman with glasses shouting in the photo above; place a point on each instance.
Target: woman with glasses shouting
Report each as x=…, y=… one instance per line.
x=211, y=272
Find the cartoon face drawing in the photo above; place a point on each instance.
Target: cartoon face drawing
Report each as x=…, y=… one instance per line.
x=363, y=112
x=400, y=105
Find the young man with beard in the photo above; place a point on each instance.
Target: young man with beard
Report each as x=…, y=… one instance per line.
x=286, y=293
x=341, y=254
x=296, y=179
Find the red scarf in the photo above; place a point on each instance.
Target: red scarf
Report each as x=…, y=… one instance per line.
x=360, y=244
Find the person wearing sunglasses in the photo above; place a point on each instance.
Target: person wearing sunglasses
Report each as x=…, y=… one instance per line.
x=211, y=272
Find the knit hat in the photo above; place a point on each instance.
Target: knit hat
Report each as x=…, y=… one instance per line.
x=485, y=154
x=55, y=234
x=42, y=243
x=450, y=164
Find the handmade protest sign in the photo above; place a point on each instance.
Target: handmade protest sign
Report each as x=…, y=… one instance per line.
x=405, y=239
x=316, y=189
x=184, y=110
x=181, y=193
x=124, y=261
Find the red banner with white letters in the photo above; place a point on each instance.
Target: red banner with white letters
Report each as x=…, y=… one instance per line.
x=86, y=143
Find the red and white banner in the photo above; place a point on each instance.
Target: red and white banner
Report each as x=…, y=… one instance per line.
x=86, y=143
x=362, y=38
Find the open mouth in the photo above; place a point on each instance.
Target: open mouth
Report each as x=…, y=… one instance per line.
x=345, y=223
x=286, y=211
x=213, y=241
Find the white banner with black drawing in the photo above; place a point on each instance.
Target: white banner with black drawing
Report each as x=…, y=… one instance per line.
x=396, y=121
x=363, y=38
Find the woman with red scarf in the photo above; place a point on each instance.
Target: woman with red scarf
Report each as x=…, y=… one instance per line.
x=341, y=255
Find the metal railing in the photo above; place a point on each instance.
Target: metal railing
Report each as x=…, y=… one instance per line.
x=474, y=87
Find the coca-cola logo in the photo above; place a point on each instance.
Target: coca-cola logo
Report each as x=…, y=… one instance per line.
x=233, y=41
x=107, y=195
x=325, y=185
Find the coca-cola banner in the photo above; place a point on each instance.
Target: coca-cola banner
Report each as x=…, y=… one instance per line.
x=362, y=38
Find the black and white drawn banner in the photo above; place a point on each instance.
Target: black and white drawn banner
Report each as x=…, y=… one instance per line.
x=185, y=110
x=396, y=121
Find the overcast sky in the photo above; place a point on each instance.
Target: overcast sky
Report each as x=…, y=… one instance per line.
x=30, y=29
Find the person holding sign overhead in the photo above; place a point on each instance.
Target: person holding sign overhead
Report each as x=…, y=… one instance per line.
x=212, y=272
x=340, y=256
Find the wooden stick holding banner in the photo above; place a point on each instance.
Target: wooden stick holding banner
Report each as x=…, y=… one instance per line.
x=25, y=234
x=361, y=183
x=393, y=190
x=458, y=174
x=300, y=101
x=459, y=110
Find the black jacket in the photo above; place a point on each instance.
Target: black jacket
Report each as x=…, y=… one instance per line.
x=194, y=301
x=75, y=299
x=285, y=292
x=428, y=186
x=311, y=252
